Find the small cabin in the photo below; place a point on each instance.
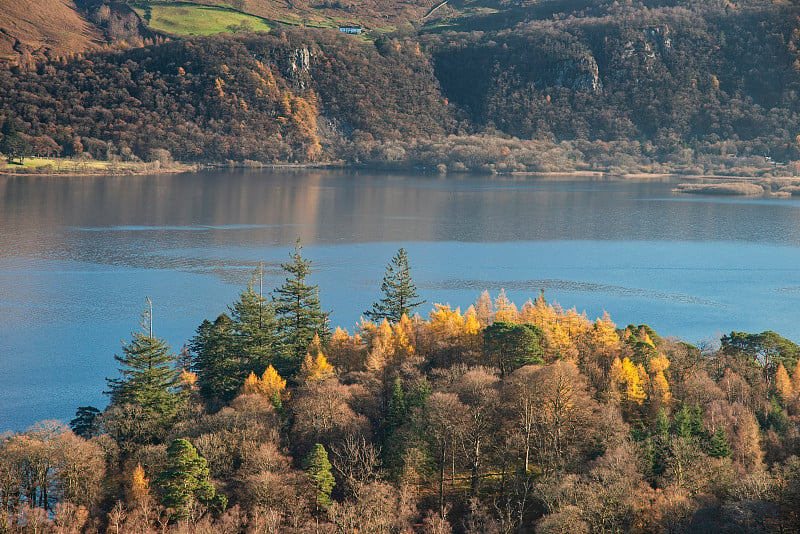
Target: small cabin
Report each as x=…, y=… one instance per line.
x=351, y=28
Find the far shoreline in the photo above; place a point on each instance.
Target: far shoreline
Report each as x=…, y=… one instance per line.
x=103, y=168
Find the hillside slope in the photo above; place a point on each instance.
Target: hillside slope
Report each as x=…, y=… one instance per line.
x=35, y=29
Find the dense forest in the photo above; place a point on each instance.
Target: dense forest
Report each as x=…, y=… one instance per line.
x=495, y=420
x=683, y=87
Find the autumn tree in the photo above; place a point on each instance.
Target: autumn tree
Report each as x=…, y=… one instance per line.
x=444, y=418
x=300, y=315
x=400, y=295
x=270, y=385
x=553, y=412
x=315, y=369
x=478, y=390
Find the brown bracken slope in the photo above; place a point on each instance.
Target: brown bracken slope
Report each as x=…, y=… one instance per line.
x=31, y=29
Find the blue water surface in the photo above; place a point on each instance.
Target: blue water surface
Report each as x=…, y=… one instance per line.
x=78, y=256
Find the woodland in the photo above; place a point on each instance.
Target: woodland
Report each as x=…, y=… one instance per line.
x=498, y=419
x=683, y=87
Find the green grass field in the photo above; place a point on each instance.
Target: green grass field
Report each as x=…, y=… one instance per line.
x=188, y=19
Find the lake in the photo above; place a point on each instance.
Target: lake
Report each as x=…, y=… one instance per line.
x=78, y=256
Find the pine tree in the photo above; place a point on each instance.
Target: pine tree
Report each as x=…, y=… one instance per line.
x=300, y=316
x=397, y=407
x=719, y=447
x=216, y=362
x=318, y=467
x=255, y=330
x=229, y=349
x=148, y=377
x=85, y=422
x=400, y=295
x=185, y=480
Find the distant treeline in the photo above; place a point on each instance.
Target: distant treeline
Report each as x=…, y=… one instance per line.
x=693, y=88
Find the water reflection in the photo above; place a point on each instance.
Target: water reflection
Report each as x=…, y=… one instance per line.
x=78, y=255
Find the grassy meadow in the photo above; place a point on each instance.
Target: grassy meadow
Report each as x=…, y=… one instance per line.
x=190, y=19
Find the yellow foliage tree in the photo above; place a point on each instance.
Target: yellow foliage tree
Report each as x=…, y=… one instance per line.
x=272, y=385
x=472, y=325
x=783, y=386
x=483, y=309
x=140, y=485
x=445, y=323
x=538, y=313
x=402, y=334
x=187, y=380
x=604, y=334
x=504, y=309
x=629, y=380
x=251, y=384
x=345, y=351
x=316, y=369
x=658, y=381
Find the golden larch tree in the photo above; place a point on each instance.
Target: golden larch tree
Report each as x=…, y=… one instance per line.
x=316, y=369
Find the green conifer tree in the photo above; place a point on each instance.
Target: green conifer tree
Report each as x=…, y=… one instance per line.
x=318, y=467
x=400, y=295
x=85, y=423
x=185, y=480
x=300, y=316
x=255, y=330
x=397, y=407
x=149, y=379
x=719, y=446
x=215, y=361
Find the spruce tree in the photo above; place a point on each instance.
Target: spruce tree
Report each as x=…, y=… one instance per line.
x=255, y=330
x=185, y=480
x=719, y=446
x=318, y=467
x=229, y=349
x=400, y=295
x=300, y=316
x=149, y=379
x=215, y=361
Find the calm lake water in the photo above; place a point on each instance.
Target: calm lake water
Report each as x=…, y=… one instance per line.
x=78, y=256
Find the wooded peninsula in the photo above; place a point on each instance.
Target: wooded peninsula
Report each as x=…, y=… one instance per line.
x=496, y=420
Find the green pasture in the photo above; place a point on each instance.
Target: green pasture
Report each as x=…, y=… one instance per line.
x=190, y=19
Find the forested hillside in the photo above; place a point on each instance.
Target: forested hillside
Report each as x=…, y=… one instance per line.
x=680, y=87
x=267, y=97
x=497, y=419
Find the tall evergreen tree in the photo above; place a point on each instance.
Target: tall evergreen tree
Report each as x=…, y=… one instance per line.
x=185, y=480
x=318, y=467
x=255, y=330
x=149, y=378
x=229, y=349
x=400, y=295
x=300, y=316
x=215, y=361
